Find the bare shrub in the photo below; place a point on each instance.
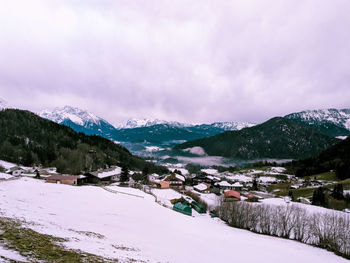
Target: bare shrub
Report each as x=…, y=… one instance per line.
x=326, y=230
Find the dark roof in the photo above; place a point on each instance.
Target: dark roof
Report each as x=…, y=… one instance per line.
x=61, y=177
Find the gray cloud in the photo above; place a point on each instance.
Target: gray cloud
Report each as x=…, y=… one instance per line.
x=194, y=61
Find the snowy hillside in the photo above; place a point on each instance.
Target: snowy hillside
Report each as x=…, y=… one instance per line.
x=135, y=229
x=340, y=117
x=78, y=116
x=232, y=126
x=79, y=120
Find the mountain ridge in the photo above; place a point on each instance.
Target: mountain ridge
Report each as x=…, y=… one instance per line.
x=275, y=138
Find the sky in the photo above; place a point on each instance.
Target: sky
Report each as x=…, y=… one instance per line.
x=190, y=61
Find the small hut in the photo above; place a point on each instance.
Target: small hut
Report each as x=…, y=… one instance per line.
x=182, y=208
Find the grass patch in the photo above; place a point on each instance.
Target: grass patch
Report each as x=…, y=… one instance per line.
x=328, y=176
x=40, y=247
x=301, y=192
x=281, y=186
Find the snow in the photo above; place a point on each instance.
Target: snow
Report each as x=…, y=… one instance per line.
x=233, y=126
x=115, y=171
x=240, y=178
x=5, y=176
x=10, y=254
x=237, y=184
x=267, y=179
x=200, y=187
x=341, y=137
x=277, y=169
x=7, y=165
x=182, y=170
x=151, y=232
x=76, y=115
x=138, y=123
x=153, y=149
x=180, y=177
x=224, y=183
x=210, y=171
x=211, y=199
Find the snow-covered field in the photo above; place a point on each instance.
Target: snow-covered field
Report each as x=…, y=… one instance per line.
x=123, y=226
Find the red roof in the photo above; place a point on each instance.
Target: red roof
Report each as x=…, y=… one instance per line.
x=233, y=193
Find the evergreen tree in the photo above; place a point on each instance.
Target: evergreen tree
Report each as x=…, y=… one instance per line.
x=319, y=197
x=255, y=186
x=124, y=177
x=338, y=192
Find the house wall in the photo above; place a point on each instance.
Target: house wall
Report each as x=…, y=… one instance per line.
x=70, y=182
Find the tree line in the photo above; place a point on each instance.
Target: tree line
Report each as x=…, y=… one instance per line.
x=27, y=139
x=329, y=230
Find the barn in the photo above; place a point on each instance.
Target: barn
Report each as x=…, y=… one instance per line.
x=63, y=179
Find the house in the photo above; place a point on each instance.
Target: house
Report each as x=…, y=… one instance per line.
x=175, y=180
x=232, y=195
x=202, y=187
x=224, y=185
x=63, y=179
x=202, y=178
x=103, y=176
x=163, y=184
x=237, y=186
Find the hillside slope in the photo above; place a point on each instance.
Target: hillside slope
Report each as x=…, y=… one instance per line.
x=28, y=139
x=332, y=122
x=134, y=229
x=276, y=138
x=337, y=158
x=79, y=120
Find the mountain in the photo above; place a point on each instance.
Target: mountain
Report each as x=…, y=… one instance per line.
x=140, y=123
x=170, y=133
x=28, y=139
x=233, y=125
x=226, y=126
x=277, y=138
x=337, y=158
x=79, y=120
x=332, y=122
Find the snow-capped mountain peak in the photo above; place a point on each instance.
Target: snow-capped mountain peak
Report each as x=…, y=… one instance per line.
x=340, y=117
x=76, y=115
x=232, y=125
x=138, y=123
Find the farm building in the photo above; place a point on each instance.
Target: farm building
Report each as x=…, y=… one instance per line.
x=63, y=179
x=182, y=208
x=237, y=186
x=102, y=176
x=175, y=180
x=202, y=178
x=163, y=184
x=198, y=207
x=202, y=187
x=224, y=185
x=232, y=195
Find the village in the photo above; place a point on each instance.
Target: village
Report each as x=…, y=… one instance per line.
x=186, y=193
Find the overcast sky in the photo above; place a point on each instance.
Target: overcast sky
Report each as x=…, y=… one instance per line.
x=193, y=61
